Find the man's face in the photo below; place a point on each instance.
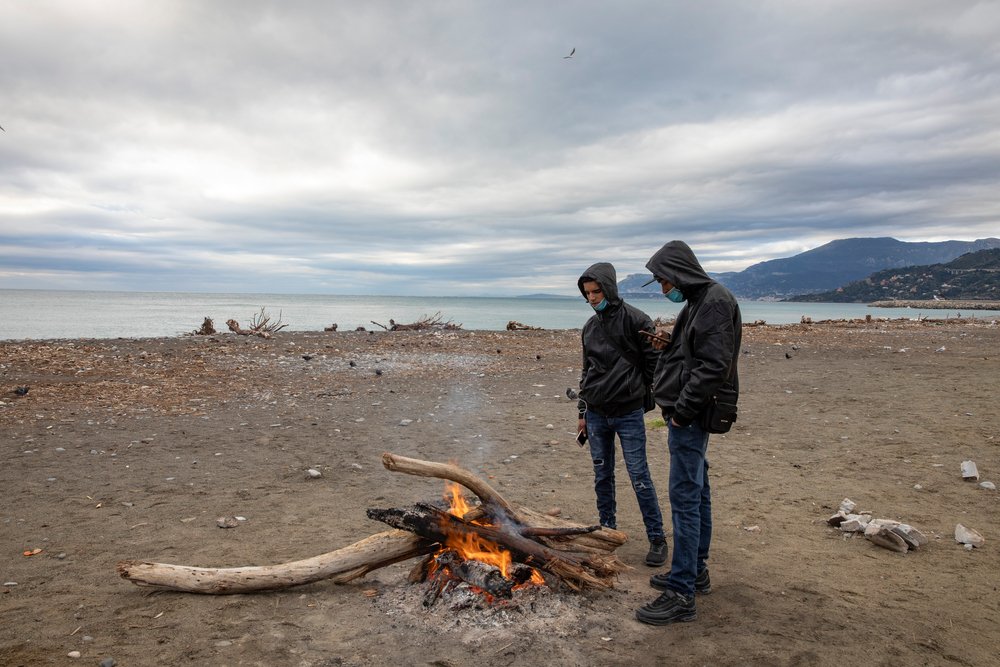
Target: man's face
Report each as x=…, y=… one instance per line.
x=665, y=285
x=592, y=290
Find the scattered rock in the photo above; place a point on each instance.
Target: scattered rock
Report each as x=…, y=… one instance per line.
x=227, y=522
x=847, y=505
x=312, y=472
x=73, y=654
x=988, y=485
x=969, y=471
x=884, y=536
x=108, y=662
x=405, y=422
x=968, y=536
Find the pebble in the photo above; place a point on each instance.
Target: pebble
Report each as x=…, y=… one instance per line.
x=405, y=422
x=108, y=662
x=549, y=426
x=988, y=485
x=10, y=583
x=312, y=472
x=73, y=654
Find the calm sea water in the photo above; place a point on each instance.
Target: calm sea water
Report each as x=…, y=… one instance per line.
x=44, y=314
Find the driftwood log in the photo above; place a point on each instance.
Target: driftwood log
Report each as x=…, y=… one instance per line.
x=582, y=555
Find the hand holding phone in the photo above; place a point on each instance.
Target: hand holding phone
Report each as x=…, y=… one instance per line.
x=656, y=338
x=581, y=438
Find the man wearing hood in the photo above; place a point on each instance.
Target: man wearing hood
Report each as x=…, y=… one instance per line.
x=693, y=375
x=618, y=367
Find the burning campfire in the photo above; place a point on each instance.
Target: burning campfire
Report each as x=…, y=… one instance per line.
x=494, y=547
x=471, y=559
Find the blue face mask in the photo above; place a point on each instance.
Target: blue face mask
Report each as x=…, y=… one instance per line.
x=602, y=305
x=675, y=295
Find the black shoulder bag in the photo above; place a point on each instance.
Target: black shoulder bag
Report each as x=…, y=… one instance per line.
x=720, y=412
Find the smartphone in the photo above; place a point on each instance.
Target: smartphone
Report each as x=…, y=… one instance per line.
x=581, y=437
x=665, y=339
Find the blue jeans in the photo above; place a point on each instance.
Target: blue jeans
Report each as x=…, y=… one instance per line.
x=690, y=505
x=631, y=430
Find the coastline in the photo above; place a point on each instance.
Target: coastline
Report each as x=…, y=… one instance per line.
x=132, y=448
x=943, y=304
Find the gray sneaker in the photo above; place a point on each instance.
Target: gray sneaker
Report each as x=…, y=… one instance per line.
x=658, y=552
x=670, y=607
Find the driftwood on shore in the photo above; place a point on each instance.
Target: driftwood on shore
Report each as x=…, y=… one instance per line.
x=514, y=325
x=260, y=325
x=426, y=322
x=580, y=556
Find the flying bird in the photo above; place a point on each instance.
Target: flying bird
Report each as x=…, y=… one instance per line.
x=570, y=54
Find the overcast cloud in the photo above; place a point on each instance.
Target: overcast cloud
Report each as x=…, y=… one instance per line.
x=449, y=148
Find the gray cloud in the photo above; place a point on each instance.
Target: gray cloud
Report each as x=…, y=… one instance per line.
x=449, y=148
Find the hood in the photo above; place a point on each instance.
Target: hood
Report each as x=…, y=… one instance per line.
x=604, y=275
x=676, y=262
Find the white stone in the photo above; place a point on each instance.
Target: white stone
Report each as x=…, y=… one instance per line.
x=855, y=523
x=969, y=470
x=73, y=654
x=988, y=485
x=968, y=536
x=913, y=537
x=312, y=472
x=847, y=505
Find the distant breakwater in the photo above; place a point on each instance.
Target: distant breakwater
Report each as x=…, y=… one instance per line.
x=940, y=305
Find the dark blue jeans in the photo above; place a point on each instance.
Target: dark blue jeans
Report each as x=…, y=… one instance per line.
x=631, y=430
x=690, y=505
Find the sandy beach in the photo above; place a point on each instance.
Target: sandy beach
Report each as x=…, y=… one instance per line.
x=133, y=448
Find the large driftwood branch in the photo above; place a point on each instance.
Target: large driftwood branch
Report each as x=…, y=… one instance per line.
x=341, y=566
x=382, y=549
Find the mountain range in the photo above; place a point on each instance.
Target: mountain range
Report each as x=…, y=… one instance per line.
x=825, y=268
x=973, y=276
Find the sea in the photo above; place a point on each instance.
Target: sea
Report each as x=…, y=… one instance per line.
x=51, y=314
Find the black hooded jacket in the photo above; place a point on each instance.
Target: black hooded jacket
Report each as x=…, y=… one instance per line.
x=706, y=337
x=611, y=384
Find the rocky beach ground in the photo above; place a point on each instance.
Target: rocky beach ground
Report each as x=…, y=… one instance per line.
x=133, y=448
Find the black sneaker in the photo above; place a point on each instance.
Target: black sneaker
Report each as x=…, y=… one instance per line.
x=670, y=607
x=657, y=555
x=702, y=583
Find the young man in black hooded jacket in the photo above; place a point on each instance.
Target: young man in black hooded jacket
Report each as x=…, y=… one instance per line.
x=618, y=367
x=699, y=365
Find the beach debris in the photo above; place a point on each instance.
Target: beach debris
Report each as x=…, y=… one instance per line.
x=307, y=357
x=207, y=328
x=855, y=523
x=514, y=325
x=969, y=471
x=22, y=390
x=260, y=325
x=332, y=327
x=313, y=473
x=989, y=486
x=227, y=522
x=968, y=536
x=879, y=532
x=887, y=533
x=940, y=349
x=425, y=322
x=32, y=552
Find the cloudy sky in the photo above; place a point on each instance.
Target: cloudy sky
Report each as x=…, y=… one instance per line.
x=449, y=148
